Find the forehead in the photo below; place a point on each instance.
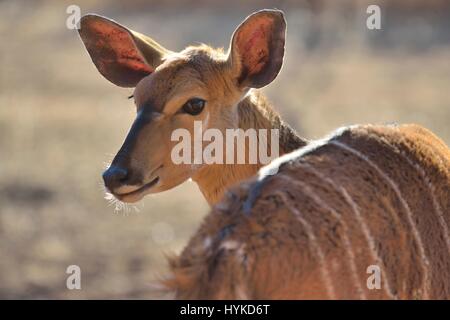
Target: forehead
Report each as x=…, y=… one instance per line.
x=178, y=74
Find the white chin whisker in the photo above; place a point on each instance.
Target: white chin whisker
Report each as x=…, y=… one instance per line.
x=109, y=196
x=114, y=202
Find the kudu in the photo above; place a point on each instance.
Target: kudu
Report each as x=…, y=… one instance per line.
x=175, y=89
x=365, y=198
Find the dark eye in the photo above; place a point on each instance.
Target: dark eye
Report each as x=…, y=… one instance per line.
x=194, y=106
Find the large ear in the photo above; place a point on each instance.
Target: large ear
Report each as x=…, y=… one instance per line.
x=121, y=55
x=257, y=48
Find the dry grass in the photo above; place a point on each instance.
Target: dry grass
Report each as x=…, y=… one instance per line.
x=60, y=122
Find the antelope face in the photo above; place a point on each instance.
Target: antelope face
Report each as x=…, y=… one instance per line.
x=172, y=90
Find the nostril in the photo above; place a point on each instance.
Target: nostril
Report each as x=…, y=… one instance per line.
x=114, y=177
x=123, y=176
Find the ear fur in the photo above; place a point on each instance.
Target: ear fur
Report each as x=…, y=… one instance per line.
x=257, y=48
x=121, y=55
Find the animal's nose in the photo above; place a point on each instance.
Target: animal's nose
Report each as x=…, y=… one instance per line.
x=115, y=177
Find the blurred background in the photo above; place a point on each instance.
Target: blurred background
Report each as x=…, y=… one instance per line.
x=60, y=122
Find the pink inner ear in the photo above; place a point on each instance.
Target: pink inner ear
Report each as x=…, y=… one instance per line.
x=115, y=45
x=253, y=45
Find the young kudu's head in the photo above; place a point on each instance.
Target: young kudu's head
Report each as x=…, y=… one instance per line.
x=172, y=90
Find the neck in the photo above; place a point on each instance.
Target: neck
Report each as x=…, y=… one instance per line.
x=254, y=112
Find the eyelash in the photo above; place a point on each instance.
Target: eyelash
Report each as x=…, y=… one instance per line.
x=183, y=107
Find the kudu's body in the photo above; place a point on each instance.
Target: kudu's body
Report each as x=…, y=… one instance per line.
x=375, y=195
x=368, y=196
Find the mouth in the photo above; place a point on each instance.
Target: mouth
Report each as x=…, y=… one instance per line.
x=137, y=194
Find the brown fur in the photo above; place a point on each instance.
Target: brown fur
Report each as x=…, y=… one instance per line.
x=166, y=80
x=268, y=253
x=254, y=112
x=369, y=195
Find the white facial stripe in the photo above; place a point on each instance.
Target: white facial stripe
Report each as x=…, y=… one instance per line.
x=206, y=121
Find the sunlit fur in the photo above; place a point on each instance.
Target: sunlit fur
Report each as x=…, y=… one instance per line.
x=366, y=195
x=205, y=73
x=165, y=80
